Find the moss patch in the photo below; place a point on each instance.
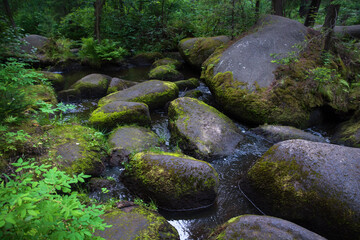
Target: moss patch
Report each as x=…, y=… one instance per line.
x=166, y=73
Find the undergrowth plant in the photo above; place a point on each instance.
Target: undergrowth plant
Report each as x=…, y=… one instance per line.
x=37, y=203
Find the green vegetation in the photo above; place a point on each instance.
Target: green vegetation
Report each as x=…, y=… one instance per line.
x=37, y=203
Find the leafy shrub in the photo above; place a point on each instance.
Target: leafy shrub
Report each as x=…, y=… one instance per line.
x=13, y=78
x=58, y=49
x=33, y=208
x=78, y=24
x=96, y=53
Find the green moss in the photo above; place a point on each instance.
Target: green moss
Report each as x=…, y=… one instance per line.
x=90, y=147
x=121, y=116
x=188, y=84
x=35, y=93
x=294, y=193
x=165, y=72
x=170, y=179
x=167, y=61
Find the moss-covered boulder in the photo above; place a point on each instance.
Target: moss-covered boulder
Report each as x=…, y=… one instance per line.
x=348, y=133
x=57, y=80
x=276, y=133
x=254, y=93
x=33, y=42
x=313, y=184
x=188, y=84
x=196, y=50
x=135, y=222
x=117, y=113
x=165, y=73
x=130, y=139
x=69, y=95
x=154, y=93
x=167, y=61
x=75, y=149
x=35, y=93
x=249, y=227
x=92, y=86
x=193, y=93
x=146, y=58
x=201, y=130
x=117, y=84
x=173, y=181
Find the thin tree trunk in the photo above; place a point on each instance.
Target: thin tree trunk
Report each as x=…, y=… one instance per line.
x=98, y=5
x=313, y=10
x=233, y=19
x=257, y=8
x=9, y=14
x=329, y=24
x=303, y=8
x=278, y=7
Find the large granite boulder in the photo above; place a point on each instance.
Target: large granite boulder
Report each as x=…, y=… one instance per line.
x=196, y=50
x=146, y=58
x=135, y=222
x=92, y=86
x=154, y=93
x=243, y=82
x=117, y=113
x=276, y=133
x=33, y=42
x=173, y=181
x=117, y=84
x=165, y=73
x=75, y=149
x=126, y=140
x=249, y=227
x=313, y=184
x=200, y=129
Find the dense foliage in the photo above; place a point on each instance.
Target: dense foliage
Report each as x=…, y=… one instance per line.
x=37, y=203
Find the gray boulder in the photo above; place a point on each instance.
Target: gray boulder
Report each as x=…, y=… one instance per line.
x=75, y=149
x=196, y=50
x=249, y=227
x=242, y=81
x=33, y=42
x=117, y=113
x=165, y=73
x=117, y=84
x=154, y=93
x=56, y=79
x=348, y=133
x=200, y=129
x=135, y=222
x=249, y=59
x=173, y=181
x=188, y=84
x=276, y=133
x=313, y=183
x=92, y=86
x=130, y=139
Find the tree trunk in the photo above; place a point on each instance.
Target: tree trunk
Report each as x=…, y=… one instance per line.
x=313, y=10
x=257, y=8
x=303, y=8
x=278, y=7
x=98, y=5
x=329, y=24
x=9, y=13
x=233, y=19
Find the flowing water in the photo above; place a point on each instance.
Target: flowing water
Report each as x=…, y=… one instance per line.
x=230, y=201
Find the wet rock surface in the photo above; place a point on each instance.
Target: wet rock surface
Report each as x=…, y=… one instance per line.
x=135, y=222
x=173, y=181
x=153, y=93
x=248, y=227
x=130, y=139
x=92, y=86
x=117, y=113
x=200, y=129
x=276, y=133
x=313, y=183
